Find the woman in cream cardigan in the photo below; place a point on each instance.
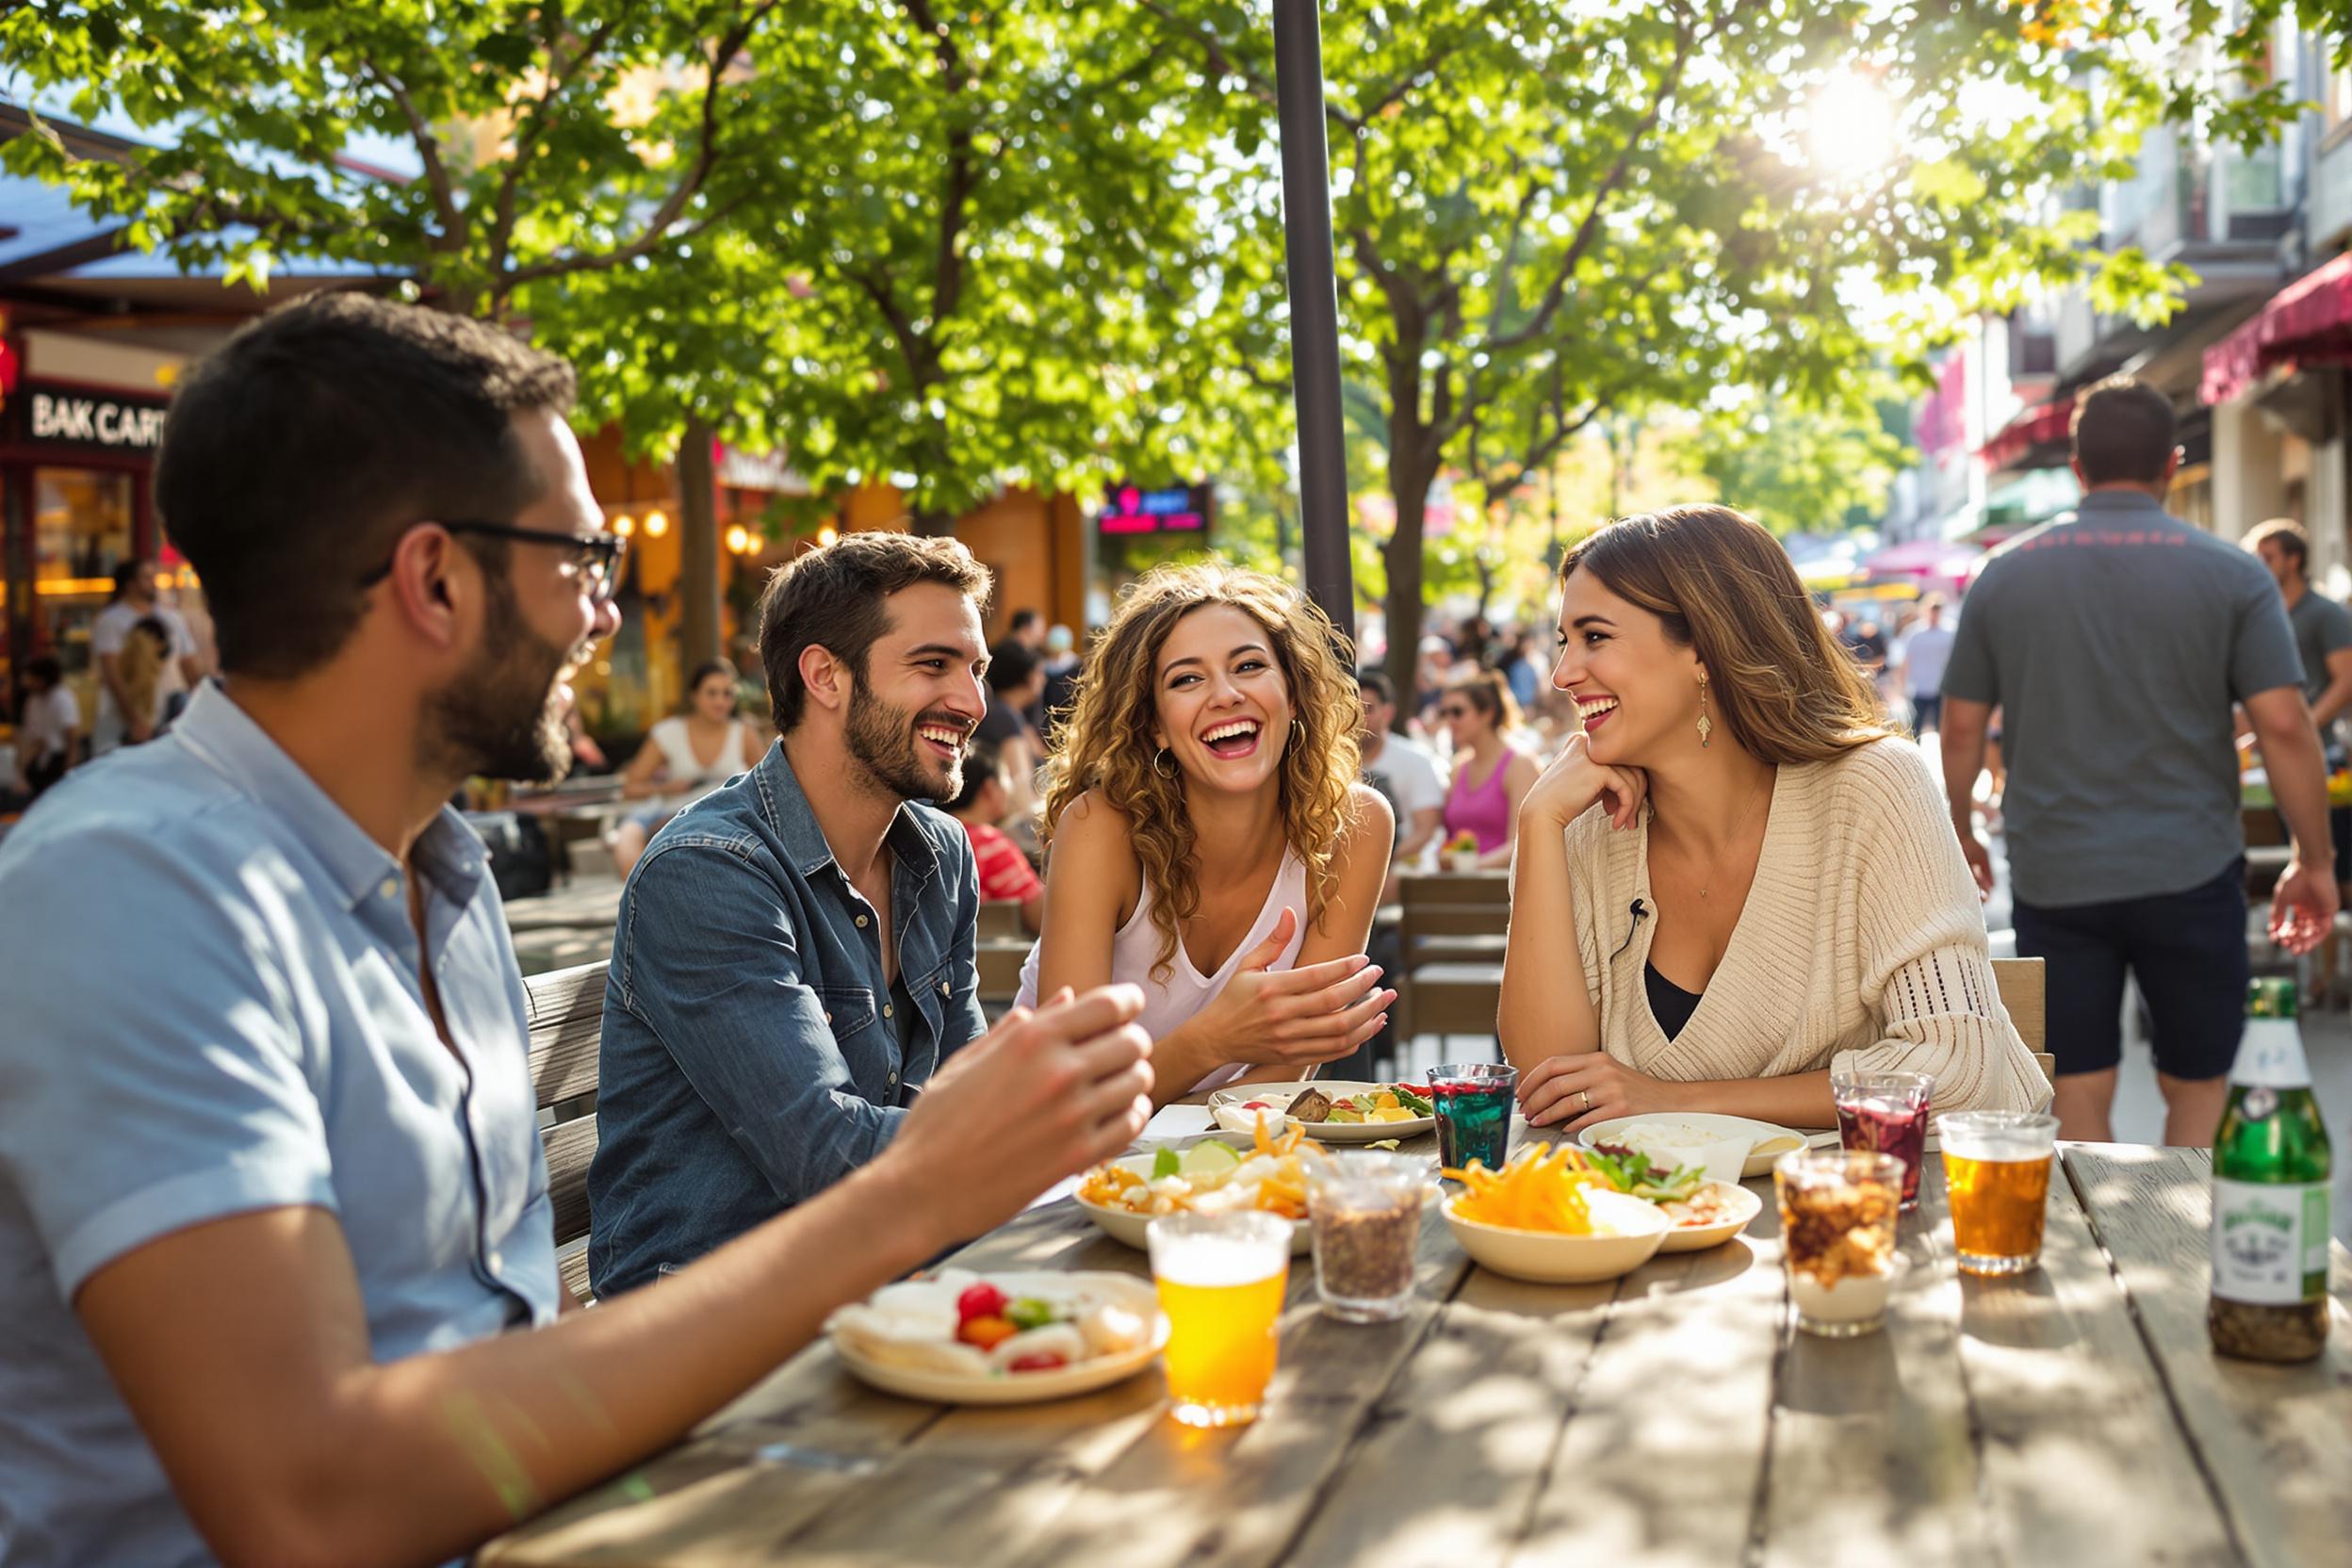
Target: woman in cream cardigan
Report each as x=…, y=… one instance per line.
x=1758, y=872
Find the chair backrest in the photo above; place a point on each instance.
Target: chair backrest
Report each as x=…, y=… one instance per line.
x=566, y=1024
x=1472, y=887
x=2024, y=991
x=1000, y=919
x=997, y=966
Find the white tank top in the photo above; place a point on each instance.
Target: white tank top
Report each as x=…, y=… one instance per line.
x=684, y=767
x=1171, y=1002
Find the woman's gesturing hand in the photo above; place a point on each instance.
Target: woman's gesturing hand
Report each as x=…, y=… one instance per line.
x=1572, y=782
x=1572, y=1092
x=1297, y=1017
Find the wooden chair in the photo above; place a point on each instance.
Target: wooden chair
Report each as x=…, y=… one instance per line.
x=998, y=965
x=1450, y=887
x=2024, y=986
x=1450, y=934
x=1000, y=919
x=566, y=1024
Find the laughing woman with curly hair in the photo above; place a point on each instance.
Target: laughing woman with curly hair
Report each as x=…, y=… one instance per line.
x=1207, y=837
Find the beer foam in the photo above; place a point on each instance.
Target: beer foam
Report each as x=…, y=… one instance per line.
x=1218, y=1261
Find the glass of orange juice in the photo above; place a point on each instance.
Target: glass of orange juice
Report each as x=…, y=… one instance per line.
x=1221, y=1279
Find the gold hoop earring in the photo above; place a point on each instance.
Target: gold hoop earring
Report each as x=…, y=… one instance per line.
x=1706, y=726
x=1298, y=731
x=1164, y=772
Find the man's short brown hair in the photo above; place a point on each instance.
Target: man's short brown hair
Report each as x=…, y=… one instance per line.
x=833, y=599
x=2124, y=432
x=2289, y=537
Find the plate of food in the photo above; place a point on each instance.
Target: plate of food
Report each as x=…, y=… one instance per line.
x=1006, y=1338
x=1331, y=1112
x=1549, y=1216
x=1703, y=1213
x=1125, y=1195
x=1697, y=1138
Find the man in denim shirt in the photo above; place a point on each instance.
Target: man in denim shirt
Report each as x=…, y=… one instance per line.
x=277, y=1282
x=794, y=956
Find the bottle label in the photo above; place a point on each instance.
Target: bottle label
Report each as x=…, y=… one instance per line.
x=2270, y=1054
x=2270, y=1242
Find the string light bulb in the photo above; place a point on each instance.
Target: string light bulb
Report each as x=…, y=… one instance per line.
x=657, y=523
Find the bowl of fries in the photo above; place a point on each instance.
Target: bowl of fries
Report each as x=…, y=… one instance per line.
x=1125, y=1195
x=1550, y=1218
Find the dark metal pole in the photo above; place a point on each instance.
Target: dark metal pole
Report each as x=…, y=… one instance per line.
x=1313, y=311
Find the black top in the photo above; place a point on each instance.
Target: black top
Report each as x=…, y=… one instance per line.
x=1669, y=1003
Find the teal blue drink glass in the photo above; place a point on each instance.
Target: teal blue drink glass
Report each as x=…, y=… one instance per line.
x=1474, y=1100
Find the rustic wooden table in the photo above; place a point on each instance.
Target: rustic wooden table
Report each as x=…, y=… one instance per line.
x=2072, y=1414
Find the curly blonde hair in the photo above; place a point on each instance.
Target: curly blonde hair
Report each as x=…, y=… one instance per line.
x=1107, y=739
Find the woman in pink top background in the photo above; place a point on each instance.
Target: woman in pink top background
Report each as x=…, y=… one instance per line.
x=1491, y=777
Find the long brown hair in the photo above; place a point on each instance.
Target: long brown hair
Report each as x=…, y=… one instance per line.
x=1106, y=740
x=1781, y=686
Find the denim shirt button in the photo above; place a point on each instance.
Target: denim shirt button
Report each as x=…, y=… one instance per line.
x=828, y=1018
x=944, y=988
x=885, y=1009
x=861, y=923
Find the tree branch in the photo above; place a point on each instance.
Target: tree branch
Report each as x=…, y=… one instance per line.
x=657, y=228
x=1556, y=290
x=534, y=125
x=437, y=181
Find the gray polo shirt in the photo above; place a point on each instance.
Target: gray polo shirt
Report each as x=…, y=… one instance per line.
x=2322, y=626
x=208, y=983
x=2114, y=644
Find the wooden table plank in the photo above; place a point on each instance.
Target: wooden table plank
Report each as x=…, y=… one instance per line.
x=1869, y=1456
x=2082, y=1460
x=2273, y=1440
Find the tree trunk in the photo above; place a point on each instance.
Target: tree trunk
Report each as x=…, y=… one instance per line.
x=1409, y=486
x=698, y=546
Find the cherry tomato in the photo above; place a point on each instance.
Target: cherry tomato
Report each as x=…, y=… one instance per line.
x=985, y=1332
x=980, y=1301
x=1040, y=1361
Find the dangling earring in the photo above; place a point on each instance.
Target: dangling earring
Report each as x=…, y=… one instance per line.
x=1706, y=726
x=1164, y=772
x=1298, y=731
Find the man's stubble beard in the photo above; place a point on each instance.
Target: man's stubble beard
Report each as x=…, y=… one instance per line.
x=882, y=740
x=502, y=718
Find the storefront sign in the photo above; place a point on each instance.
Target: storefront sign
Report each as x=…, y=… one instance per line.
x=48, y=414
x=1172, y=509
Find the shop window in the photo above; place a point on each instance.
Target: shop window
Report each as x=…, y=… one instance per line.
x=81, y=533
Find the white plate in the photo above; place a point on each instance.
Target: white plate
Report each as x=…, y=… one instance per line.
x=1745, y=1206
x=1121, y=1225
x=1324, y=1131
x=1022, y=1388
x=1771, y=1141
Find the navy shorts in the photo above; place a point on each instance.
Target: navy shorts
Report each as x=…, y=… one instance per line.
x=2186, y=950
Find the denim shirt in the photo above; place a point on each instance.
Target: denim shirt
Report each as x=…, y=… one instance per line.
x=750, y=1053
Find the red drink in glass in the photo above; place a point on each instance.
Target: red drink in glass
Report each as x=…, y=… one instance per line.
x=1885, y=1113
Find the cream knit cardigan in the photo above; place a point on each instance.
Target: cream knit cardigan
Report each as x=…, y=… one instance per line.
x=1861, y=944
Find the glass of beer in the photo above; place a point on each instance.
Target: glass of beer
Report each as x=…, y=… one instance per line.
x=1997, y=1173
x=1221, y=1279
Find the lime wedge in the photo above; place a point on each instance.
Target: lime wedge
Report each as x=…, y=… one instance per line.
x=1209, y=1159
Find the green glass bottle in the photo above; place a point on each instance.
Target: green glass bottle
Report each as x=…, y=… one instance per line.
x=2271, y=1171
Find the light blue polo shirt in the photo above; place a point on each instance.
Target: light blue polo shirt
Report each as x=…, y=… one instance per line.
x=209, y=1005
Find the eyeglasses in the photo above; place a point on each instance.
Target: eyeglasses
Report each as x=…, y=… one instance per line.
x=598, y=558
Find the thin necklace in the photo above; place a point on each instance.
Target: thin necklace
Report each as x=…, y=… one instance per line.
x=1715, y=866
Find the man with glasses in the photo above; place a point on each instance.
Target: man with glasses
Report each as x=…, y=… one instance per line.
x=276, y=1267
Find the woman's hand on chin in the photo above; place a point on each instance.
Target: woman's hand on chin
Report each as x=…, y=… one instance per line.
x=1572, y=782
x=1572, y=1092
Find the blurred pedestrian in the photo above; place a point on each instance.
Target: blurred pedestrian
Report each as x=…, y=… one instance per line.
x=1027, y=628
x=1401, y=767
x=982, y=806
x=119, y=718
x=1491, y=776
x=2115, y=644
x=686, y=755
x=2323, y=639
x=1061, y=682
x=1922, y=657
x=49, y=729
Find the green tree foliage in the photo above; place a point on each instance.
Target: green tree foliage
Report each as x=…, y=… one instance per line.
x=947, y=249
x=1545, y=211
x=1795, y=468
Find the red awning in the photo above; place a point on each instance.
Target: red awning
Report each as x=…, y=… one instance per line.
x=2307, y=322
x=2035, y=427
